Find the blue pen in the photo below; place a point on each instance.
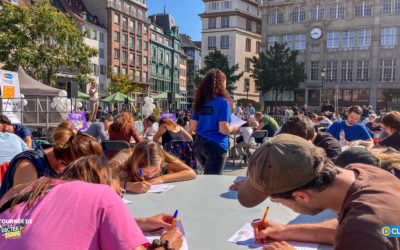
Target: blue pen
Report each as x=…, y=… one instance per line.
x=141, y=173
x=174, y=218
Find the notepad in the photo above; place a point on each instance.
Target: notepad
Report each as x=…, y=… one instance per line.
x=157, y=234
x=159, y=188
x=127, y=202
x=245, y=236
x=236, y=121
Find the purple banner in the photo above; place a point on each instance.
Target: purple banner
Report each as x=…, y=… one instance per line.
x=171, y=116
x=78, y=121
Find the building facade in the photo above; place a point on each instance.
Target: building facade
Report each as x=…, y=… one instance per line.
x=234, y=28
x=349, y=48
x=183, y=103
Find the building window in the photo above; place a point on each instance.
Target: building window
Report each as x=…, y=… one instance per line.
x=331, y=71
x=317, y=13
x=145, y=29
x=116, y=36
x=124, y=23
x=128, y=8
x=246, y=87
x=275, y=17
x=125, y=40
x=132, y=43
x=288, y=39
x=124, y=57
x=248, y=25
x=258, y=47
x=139, y=29
x=212, y=23
x=225, y=22
x=139, y=44
x=116, y=18
x=314, y=71
x=363, y=9
x=224, y=42
x=298, y=15
x=132, y=26
x=388, y=71
x=116, y=70
x=113, y=3
x=258, y=28
x=160, y=56
x=131, y=59
x=389, y=37
x=333, y=40
x=153, y=53
x=247, y=65
x=391, y=7
x=213, y=6
x=144, y=79
x=347, y=71
x=248, y=44
x=94, y=34
x=336, y=11
x=212, y=41
x=145, y=45
x=139, y=60
x=300, y=43
x=120, y=5
x=124, y=71
x=348, y=39
x=315, y=47
x=101, y=37
x=364, y=38
x=362, y=70
x=116, y=53
x=134, y=11
x=145, y=60
x=272, y=40
x=227, y=4
x=103, y=69
x=101, y=53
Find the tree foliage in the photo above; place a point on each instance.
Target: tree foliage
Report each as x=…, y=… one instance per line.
x=43, y=42
x=217, y=60
x=124, y=84
x=277, y=70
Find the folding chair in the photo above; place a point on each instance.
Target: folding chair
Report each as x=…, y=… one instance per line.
x=183, y=150
x=113, y=147
x=260, y=136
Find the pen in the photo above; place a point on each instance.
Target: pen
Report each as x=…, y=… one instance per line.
x=141, y=174
x=261, y=226
x=174, y=219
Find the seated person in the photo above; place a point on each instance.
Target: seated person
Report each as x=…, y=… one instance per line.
x=151, y=125
x=154, y=163
x=21, y=130
x=33, y=164
x=391, y=125
x=11, y=145
x=99, y=129
x=373, y=125
x=78, y=199
x=324, y=120
x=266, y=122
x=308, y=183
x=354, y=132
x=170, y=131
x=247, y=141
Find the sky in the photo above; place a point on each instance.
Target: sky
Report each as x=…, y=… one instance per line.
x=185, y=12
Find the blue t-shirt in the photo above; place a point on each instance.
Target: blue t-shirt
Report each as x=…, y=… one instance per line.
x=355, y=132
x=213, y=112
x=12, y=145
x=22, y=131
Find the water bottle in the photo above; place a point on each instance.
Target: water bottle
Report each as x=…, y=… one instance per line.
x=377, y=139
x=342, y=138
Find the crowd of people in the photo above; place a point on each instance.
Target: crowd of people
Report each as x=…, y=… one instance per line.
x=343, y=165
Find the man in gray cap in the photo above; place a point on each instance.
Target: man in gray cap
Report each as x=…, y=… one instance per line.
x=294, y=172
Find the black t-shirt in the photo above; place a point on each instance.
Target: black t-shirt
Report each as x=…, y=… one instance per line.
x=371, y=129
x=392, y=141
x=329, y=144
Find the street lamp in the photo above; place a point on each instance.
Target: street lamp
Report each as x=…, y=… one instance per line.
x=323, y=76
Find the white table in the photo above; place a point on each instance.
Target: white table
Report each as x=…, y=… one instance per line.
x=210, y=213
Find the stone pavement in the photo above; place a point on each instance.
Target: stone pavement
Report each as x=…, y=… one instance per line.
x=235, y=170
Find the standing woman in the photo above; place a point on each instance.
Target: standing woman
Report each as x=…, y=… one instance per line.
x=94, y=102
x=210, y=120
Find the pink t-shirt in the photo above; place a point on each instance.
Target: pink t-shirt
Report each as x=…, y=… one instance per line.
x=75, y=215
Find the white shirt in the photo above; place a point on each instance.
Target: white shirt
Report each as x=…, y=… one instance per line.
x=152, y=130
x=239, y=112
x=246, y=132
x=365, y=121
x=95, y=97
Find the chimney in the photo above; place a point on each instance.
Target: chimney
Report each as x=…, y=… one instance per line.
x=164, y=9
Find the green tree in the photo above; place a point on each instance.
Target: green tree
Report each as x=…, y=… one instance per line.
x=277, y=70
x=217, y=60
x=124, y=84
x=43, y=42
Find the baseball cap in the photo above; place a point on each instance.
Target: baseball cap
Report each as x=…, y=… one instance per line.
x=356, y=155
x=282, y=164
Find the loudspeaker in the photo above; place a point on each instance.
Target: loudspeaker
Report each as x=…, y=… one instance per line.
x=72, y=90
x=171, y=97
x=126, y=101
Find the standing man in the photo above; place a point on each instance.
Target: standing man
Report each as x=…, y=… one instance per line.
x=250, y=110
x=239, y=111
x=94, y=102
x=328, y=109
x=21, y=130
x=99, y=129
x=297, y=174
x=352, y=129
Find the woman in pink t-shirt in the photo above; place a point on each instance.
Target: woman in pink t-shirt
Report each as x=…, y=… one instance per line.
x=65, y=214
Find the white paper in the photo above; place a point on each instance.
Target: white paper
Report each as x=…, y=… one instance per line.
x=236, y=121
x=157, y=234
x=127, y=202
x=159, y=188
x=245, y=236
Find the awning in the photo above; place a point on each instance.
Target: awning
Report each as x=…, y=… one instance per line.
x=117, y=97
x=83, y=95
x=164, y=95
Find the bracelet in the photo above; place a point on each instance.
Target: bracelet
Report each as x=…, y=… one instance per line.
x=160, y=243
x=125, y=182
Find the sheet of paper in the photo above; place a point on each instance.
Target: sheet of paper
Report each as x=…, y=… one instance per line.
x=245, y=236
x=157, y=234
x=127, y=202
x=236, y=121
x=160, y=188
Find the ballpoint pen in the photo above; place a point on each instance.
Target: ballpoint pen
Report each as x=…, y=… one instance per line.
x=174, y=219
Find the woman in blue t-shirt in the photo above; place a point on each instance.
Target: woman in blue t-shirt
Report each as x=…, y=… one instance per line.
x=210, y=120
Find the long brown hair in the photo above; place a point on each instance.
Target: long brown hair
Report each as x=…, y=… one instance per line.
x=168, y=123
x=210, y=88
x=70, y=146
x=146, y=153
x=121, y=121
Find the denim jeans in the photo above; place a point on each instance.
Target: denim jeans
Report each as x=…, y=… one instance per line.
x=210, y=156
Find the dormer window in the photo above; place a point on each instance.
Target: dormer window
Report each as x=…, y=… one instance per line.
x=84, y=15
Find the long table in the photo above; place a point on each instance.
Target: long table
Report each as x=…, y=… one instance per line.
x=210, y=213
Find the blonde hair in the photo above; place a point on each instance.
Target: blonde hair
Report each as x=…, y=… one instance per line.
x=146, y=153
x=389, y=158
x=168, y=123
x=120, y=162
x=121, y=121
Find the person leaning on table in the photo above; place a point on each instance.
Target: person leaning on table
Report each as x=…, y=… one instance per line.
x=292, y=171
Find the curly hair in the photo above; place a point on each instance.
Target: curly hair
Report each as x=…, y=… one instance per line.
x=121, y=121
x=210, y=88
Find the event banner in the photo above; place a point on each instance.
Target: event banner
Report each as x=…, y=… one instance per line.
x=78, y=121
x=11, y=102
x=171, y=116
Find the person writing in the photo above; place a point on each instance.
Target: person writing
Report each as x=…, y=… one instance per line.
x=156, y=165
x=210, y=121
